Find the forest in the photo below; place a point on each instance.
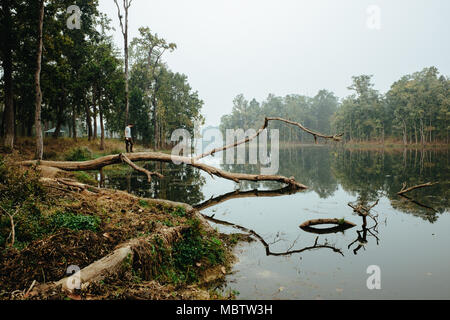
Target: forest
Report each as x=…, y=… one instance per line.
x=77, y=82
x=416, y=110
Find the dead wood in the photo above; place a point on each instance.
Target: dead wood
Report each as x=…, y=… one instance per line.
x=264, y=127
x=163, y=157
x=339, y=222
x=362, y=210
x=267, y=246
x=406, y=190
x=112, y=264
x=149, y=174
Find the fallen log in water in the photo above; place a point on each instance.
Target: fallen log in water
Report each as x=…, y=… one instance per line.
x=99, y=163
x=341, y=225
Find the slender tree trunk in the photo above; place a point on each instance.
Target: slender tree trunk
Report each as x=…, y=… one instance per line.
x=74, y=123
x=88, y=119
x=37, y=122
x=8, y=114
x=94, y=116
x=102, y=128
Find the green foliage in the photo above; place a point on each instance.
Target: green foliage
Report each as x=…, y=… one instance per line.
x=20, y=192
x=79, y=154
x=314, y=113
x=74, y=221
x=85, y=178
x=179, y=212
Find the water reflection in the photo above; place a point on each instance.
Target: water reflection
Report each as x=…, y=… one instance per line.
x=368, y=174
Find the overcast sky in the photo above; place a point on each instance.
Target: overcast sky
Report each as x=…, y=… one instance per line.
x=257, y=47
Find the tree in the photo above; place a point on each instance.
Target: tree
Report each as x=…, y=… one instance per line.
x=38, y=124
x=6, y=55
x=124, y=29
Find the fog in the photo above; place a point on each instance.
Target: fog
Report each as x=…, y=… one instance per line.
x=257, y=47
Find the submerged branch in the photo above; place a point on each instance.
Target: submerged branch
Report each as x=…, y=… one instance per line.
x=404, y=190
x=267, y=246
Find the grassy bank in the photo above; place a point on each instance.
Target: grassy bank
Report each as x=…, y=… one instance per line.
x=57, y=227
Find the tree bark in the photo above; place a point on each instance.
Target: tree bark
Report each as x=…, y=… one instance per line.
x=102, y=128
x=37, y=122
x=163, y=157
x=124, y=29
x=88, y=119
x=74, y=123
x=8, y=114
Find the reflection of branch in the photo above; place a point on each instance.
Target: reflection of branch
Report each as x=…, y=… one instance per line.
x=342, y=225
x=418, y=203
x=364, y=212
x=404, y=190
x=266, y=245
x=246, y=194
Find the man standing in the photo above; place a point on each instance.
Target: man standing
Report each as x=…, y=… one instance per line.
x=129, y=138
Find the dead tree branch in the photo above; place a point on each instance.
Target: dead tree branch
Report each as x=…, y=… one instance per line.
x=264, y=127
x=404, y=190
x=267, y=246
x=163, y=157
x=149, y=174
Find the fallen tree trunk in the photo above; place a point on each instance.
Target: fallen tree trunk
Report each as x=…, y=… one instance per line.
x=108, y=265
x=99, y=163
x=192, y=161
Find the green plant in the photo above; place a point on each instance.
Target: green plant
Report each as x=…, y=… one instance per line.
x=79, y=154
x=85, y=178
x=75, y=221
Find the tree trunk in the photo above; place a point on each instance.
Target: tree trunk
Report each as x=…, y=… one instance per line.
x=8, y=114
x=88, y=119
x=102, y=129
x=37, y=122
x=74, y=123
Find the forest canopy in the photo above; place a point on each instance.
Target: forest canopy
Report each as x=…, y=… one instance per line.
x=83, y=80
x=415, y=110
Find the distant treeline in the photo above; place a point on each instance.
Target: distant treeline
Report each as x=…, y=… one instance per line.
x=416, y=110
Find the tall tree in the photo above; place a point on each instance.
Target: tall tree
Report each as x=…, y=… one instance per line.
x=38, y=124
x=124, y=29
x=6, y=53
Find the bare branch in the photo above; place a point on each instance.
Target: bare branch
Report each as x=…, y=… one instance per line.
x=404, y=190
x=266, y=122
x=137, y=168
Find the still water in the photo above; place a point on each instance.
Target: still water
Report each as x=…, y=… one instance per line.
x=409, y=239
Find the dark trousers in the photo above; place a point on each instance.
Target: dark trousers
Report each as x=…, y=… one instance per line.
x=129, y=144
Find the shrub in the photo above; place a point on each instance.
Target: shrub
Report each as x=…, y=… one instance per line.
x=20, y=194
x=79, y=154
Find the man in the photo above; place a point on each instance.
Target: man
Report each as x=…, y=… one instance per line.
x=129, y=138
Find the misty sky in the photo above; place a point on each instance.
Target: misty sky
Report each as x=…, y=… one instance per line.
x=257, y=47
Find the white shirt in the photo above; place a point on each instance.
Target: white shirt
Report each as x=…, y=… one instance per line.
x=127, y=132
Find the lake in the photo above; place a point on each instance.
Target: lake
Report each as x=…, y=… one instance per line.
x=407, y=238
